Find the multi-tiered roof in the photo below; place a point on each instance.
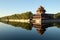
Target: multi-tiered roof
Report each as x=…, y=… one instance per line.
x=41, y=10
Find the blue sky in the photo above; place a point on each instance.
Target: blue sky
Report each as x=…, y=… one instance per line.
x=9, y=7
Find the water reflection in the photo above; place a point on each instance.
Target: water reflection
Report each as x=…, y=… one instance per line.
x=28, y=26
x=42, y=28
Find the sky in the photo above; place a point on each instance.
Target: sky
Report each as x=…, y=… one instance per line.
x=9, y=7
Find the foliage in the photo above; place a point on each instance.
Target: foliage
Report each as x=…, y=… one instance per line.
x=26, y=15
x=57, y=16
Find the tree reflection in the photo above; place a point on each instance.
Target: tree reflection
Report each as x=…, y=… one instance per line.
x=28, y=26
x=57, y=24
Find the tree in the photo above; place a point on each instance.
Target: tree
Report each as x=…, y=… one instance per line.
x=26, y=15
x=57, y=16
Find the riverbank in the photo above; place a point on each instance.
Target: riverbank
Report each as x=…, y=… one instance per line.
x=17, y=20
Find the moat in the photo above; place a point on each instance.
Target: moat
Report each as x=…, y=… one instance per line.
x=29, y=31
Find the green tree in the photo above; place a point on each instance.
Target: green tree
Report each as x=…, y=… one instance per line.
x=57, y=16
x=26, y=15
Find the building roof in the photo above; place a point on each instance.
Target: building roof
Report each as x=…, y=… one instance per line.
x=41, y=8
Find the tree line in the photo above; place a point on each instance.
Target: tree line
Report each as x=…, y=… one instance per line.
x=57, y=16
x=26, y=15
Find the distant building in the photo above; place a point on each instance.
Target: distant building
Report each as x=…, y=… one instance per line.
x=39, y=11
x=41, y=15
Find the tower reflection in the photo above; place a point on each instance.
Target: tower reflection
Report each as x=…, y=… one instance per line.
x=42, y=28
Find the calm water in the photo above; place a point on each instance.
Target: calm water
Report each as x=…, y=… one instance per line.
x=28, y=31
